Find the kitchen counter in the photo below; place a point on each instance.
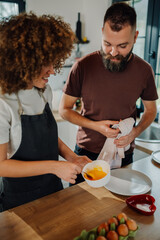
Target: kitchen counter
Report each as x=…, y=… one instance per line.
x=147, y=147
x=63, y=215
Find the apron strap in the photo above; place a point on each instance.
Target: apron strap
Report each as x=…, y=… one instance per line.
x=41, y=94
x=20, y=110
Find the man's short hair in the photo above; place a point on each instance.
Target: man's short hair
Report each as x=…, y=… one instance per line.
x=120, y=15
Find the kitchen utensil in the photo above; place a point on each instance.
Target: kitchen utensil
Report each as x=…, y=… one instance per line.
x=128, y=182
x=156, y=156
x=100, y=182
x=88, y=175
x=143, y=203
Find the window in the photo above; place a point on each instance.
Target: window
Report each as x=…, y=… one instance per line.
x=141, y=8
x=154, y=48
x=148, y=42
x=11, y=7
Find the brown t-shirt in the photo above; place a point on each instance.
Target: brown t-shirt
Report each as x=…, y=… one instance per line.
x=106, y=95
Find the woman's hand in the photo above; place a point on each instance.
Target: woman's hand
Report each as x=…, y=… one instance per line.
x=67, y=171
x=81, y=161
x=72, y=157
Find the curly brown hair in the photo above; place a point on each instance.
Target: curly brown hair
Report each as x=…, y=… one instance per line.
x=28, y=42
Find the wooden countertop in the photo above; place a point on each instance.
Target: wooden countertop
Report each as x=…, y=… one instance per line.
x=63, y=215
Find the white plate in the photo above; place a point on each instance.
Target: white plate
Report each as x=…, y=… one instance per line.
x=156, y=156
x=128, y=182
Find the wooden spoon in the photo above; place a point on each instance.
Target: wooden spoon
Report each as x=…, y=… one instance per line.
x=88, y=175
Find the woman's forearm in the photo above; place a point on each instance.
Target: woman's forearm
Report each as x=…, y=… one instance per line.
x=17, y=168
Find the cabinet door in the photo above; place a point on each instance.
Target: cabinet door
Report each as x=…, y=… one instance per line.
x=67, y=133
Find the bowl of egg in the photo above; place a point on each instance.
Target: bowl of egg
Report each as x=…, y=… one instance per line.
x=96, y=173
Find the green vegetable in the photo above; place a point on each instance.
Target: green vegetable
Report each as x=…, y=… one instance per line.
x=112, y=226
x=92, y=236
x=83, y=234
x=122, y=221
x=102, y=232
x=94, y=230
x=133, y=233
x=123, y=238
x=77, y=238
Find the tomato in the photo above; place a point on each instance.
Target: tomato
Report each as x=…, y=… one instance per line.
x=112, y=235
x=101, y=238
x=103, y=225
x=122, y=230
x=122, y=215
x=131, y=224
x=113, y=220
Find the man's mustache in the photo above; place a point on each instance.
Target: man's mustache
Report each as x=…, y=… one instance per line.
x=110, y=57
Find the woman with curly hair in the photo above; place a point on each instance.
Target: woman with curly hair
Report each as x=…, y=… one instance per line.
x=32, y=48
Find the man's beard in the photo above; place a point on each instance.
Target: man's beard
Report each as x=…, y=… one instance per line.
x=115, y=66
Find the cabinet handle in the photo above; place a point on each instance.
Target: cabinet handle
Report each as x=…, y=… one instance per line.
x=152, y=54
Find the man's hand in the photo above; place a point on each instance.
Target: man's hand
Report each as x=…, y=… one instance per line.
x=66, y=111
x=105, y=128
x=125, y=140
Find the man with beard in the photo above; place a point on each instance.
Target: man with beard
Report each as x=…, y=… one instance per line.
x=109, y=82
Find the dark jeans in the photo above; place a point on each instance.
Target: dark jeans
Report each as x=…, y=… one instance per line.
x=93, y=156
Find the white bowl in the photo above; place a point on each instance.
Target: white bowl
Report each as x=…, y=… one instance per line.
x=100, y=182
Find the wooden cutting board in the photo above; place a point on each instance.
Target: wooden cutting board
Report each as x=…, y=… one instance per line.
x=15, y=228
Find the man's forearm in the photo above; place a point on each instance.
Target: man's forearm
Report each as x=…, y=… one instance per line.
x=76, y=118
x=102, y=127
x=146, y=120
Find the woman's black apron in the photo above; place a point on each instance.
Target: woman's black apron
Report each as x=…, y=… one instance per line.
x=39, y=142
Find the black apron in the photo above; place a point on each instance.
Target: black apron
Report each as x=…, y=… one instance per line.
x=39, y=142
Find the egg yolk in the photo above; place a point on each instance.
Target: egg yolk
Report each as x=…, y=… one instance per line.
x=96, y=173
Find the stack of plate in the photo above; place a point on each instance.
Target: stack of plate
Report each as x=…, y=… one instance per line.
x=128, y=182
x=156, y=156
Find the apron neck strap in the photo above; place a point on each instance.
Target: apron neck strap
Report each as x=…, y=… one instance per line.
x=41, y=95
x=20, y=110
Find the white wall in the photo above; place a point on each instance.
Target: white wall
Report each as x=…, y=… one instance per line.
x=92, y=13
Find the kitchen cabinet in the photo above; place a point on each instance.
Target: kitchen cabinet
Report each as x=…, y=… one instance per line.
x=67, y=133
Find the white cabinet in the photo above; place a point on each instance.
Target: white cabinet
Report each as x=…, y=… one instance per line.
x=67, y=133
